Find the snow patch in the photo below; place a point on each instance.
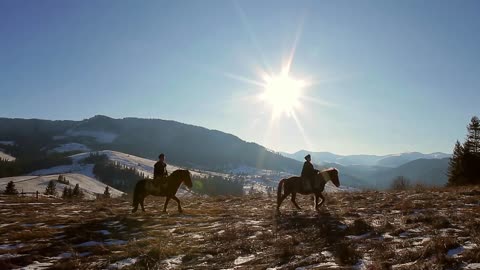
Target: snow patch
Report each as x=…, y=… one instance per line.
x=64, y=255
x=6, y=156
x=319, y=266
x=100, y=136
x=109, y=242
x=122, y=263
x=242, y=260
x=472, y=266
x=173, y=262
x=90, y=186
x=7, y=256
x=7, y=142
x=104, y=232
x=452, y=253
x=11, y=246
x=36, y=265
x=68, y=147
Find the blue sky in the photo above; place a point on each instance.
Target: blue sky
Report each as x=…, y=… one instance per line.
x=393, y=76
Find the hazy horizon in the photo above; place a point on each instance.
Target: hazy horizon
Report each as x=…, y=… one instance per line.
x=373, y=77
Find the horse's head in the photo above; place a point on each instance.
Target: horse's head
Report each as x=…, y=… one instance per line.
x=183, y=176
x=334, y=176
x=331, y=174
x=187, y=178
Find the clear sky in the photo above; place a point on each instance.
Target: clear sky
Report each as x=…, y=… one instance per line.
x=385, y=76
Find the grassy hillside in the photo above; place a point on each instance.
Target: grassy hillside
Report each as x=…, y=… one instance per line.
x=418, y=229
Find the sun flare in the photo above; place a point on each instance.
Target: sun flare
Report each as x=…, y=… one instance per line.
x=282, y=92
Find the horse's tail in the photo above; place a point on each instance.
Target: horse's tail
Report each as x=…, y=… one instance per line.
x=279, y=190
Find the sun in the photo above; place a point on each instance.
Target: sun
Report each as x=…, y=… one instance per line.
x=282, y=92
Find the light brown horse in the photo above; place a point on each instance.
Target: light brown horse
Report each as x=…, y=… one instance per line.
x=295, y=184
x=146, y=187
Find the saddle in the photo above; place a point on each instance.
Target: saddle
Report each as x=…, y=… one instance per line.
x=307, y=184
x=159, y=183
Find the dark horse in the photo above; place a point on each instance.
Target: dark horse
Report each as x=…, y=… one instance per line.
x=295, y=184
x=146, y=187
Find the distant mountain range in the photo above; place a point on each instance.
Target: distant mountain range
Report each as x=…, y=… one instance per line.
x=392, y=161
x=201, y=148
x=184, y=145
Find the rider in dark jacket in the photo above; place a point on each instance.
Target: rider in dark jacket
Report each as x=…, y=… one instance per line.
x=308, y=172
x=160, y=169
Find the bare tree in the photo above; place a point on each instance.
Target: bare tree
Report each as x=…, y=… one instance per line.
x=400, y=183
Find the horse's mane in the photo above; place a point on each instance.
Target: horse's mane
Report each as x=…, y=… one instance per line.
x=330, y=169
x=180, y=171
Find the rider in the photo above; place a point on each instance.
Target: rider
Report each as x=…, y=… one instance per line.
x=160, y=169
x=308, y=172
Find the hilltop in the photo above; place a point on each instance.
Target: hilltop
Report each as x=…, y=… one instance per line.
x=417, y=229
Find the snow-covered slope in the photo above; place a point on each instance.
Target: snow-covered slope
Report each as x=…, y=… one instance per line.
x=7, y=142
x=100, y=136
x=88, y=185
x=67, y=147
x=5, y=156
x=143, y=165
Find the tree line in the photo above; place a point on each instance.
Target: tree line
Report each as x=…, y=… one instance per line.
x=113, y=173
x=51, y=189
x=217, y=185
x=25, y=165
x=464, y=166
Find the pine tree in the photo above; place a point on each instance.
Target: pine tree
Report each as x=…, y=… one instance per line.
x=106, y=193
x=464, y=166
x=455, y=169
x=67, y=192
x=473, y=136
x=10, y=189
x=51, y=188
x=77, y=193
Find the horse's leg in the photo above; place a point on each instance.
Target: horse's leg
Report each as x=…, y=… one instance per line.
x=178, y=203
x=294, y=195
x=166, y=203
x=323, y=200
x=141, y=204
x=281, y=200
x=316, y=201
x=135, y=203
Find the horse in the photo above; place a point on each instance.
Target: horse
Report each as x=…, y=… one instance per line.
x=295, y=184
x=145, y=187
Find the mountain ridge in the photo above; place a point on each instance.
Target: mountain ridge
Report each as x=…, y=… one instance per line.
x=199, y=148
x=390, y=160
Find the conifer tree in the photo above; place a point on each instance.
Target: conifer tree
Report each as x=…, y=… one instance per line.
x=455, y=168
x=106, y=193
x=473, y=136
x=67, y=192
x=77, y=193
x=10, y=188
x=51, y=188
x=464, y=166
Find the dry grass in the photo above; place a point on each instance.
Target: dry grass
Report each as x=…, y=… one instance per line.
x=420, y=228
